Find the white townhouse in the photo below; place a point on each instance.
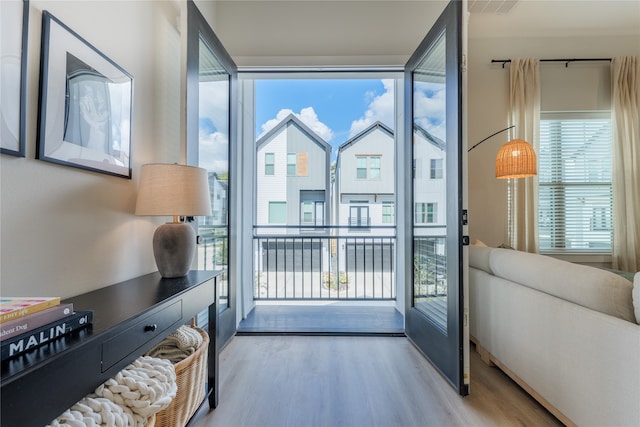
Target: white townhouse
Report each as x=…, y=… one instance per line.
x=365, y=181
x=218, y=189
x=364, y=198
x=429, y=204
x=429, y=207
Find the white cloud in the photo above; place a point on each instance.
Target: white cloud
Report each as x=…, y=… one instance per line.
x=213, y=155
x=214, y=103
x=381, y=108
x=429, y=111
x=307, y=115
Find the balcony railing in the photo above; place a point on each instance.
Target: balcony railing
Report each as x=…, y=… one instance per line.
x=356, y=222
x=213, y=254
x=328, y=265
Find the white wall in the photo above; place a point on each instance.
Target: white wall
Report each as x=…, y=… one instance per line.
x=65, y=231
x=488, y=102
x=272, y=188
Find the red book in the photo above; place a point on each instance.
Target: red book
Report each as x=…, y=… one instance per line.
x=30, y=322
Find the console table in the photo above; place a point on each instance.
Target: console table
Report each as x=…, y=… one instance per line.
x=129, y=318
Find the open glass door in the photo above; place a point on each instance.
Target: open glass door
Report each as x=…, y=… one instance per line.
x=433, y=129
x=211, y=124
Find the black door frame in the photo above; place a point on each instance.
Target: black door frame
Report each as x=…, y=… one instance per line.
x=444, y=350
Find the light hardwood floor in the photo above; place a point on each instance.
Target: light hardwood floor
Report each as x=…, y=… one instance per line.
x=303, y=381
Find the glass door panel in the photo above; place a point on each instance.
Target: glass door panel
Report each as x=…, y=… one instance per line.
x=429, y=193
x=433, y=295
x=211, y=115
x=213, y=155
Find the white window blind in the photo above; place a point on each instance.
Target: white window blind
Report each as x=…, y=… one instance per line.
x=575, y=195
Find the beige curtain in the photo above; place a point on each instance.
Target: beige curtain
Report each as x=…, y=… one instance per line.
x=524, y=102
x=625, y=73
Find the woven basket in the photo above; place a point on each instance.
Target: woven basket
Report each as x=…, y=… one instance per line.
x=191, y=376
x=151, y=421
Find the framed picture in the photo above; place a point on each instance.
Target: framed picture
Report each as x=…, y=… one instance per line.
x=14, y=29
x=86, y=104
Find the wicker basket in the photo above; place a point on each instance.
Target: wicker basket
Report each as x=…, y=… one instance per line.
x=191, y=375
x=151, y=421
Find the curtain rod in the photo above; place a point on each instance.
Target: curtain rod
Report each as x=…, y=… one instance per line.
x=565, y=60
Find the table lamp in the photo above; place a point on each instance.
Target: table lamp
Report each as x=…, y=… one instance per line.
x=178, y=191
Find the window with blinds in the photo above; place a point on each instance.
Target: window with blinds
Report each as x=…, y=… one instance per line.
x=575, y=194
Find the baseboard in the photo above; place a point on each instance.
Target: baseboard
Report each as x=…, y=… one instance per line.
x=491, y=360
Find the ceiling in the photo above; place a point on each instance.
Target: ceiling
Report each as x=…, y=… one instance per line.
x=377, y=32
x=558, y=18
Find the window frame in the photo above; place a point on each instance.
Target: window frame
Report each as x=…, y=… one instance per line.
x=269, y=166
x=564, y=226
x=360, y=169
x=391, y=213
x=435, y=169
x=293, y=165
x=270, y=213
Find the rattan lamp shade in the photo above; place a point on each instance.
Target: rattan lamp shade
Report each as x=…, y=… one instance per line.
x=516, y=159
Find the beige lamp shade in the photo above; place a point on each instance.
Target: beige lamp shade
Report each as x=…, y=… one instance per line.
x=173, y=190
x=516, y=159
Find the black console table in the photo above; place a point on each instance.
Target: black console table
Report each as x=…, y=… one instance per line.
x=129, y=318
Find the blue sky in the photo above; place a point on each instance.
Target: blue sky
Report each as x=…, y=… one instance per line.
x=334, y=109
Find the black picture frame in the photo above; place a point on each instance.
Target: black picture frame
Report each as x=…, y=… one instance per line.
x=15, y=31
x=86, y=104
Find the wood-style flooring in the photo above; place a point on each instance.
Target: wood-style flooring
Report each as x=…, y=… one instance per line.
x=323, y=320
x=307, y=381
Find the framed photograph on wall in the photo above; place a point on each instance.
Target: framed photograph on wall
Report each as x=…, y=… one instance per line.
x=86, y=104
x=14, y=30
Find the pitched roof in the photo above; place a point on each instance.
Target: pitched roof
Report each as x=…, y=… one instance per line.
x=291, y=118
x=359, y=136
x=432, y=139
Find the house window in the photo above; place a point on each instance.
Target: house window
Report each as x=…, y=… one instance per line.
x=277, y=212
x=426, y=213
x=358, y=216
x=387, y=213
x=307, y=213
x=367, y=167
x=436, y=169
x=575, y=192
x=361, y=168
x=374, y=167
x=292, y=164
x=312, y=213
x=269, y=163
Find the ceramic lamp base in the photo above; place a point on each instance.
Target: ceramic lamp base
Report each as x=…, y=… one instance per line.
x=174, y=245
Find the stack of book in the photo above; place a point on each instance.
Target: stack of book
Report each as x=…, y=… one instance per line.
x=27, y=323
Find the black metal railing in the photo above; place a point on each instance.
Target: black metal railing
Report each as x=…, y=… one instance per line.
x=329, y=265
x=429, y=266
x=213, y=254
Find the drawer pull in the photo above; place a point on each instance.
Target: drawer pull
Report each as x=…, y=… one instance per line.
x=150, y=328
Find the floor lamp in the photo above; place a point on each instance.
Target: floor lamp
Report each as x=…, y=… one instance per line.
x=515, y=159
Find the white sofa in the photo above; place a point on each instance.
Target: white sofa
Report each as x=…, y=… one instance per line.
x=567, y=333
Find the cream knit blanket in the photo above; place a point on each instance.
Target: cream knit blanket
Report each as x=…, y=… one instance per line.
x=179, y=345
x=143, y=388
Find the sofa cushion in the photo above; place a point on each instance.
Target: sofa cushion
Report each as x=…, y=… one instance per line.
x=589, y=287
x=479, y=257
x=636, y=296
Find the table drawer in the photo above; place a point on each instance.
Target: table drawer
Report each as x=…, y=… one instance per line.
x=134, y=337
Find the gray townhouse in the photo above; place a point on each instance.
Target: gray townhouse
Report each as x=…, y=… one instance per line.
x=292, y=189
